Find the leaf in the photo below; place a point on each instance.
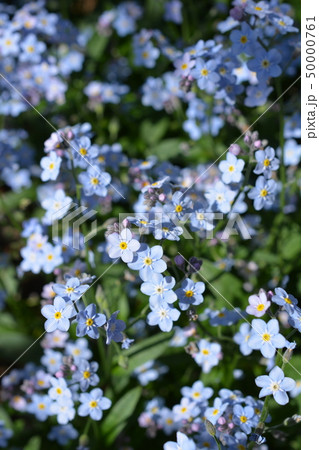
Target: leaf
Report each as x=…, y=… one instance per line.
x=116, y=420
x=96, y=46
x=33, y=444
x=153, y=133
x=167, y=149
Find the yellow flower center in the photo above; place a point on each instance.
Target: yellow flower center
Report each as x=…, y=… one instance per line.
x=275, y=386
x=69, y=290
x=41, y=406
x=243, y=419
x=204, y=72
x=266, y=337
x=221, y=314
x=260, y=307
x=184, y=409
x=205, y=352
x=30, y=48
x=196, y=394
x=86, y=374
x=145, y=55
x=148, y=261
x=94, y=181
x=189, y=293
x=50, y=257
x=89, y=322
x=266, y=162
x=40, y=382
x=265, y=63
x=263, y=193
x=231, y=168
x=57, y=315
x=58, y=390
x=83, y=151
x=287, y=300
x=258, y=8
x=93, y=404
x=123, y=245
x=184, y=66
x=51, y=166
x=215, y=412
x=178, y=208
x=169, y=421
x=243, y=39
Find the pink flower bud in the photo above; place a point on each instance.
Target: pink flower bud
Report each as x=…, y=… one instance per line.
x=234, y=149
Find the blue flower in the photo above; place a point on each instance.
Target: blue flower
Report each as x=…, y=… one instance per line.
x=73, y=289
x=198, y=392
x=263, y=193
x=216, y=411
x=190, y=293
x=31, y=49
x=88, y=322
x=244, y=40
x=162, y=314
x=62, y=434
x=122, y=245
x=114, y=328
x=159, y=288
x=178, y=207
x=241, y=338
x=146, y=55
x=93, y=403
x=5, y=434
x=85, y=374
x=281, y=298
x=173, y=11
x=266, y=162
x=183, y=443
x=208, y=355
x=275, y=384
x=204, y=73
x=94, y=181
x=220, y=197
x=294, y=318
x=292, y=153
x=243, y=416
x=265, y=64
x=51, y=166
x=58, y=315
x=266, y=337
x=148, y=260
x=149, y=372
x=231, y=169
x=59, y=389
x=64, y=409
x=257, y=95
x=40, y=406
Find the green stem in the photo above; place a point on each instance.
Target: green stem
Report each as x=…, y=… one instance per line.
x=282, y=171
x=140, y=316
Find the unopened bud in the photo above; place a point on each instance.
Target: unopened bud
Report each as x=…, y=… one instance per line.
x=291, y=421
x=210, y=428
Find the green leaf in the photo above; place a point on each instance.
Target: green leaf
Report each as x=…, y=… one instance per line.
x=167, y=149
x=96, y=46
x=151, y=133
x=116, y=420
x=33, y=444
